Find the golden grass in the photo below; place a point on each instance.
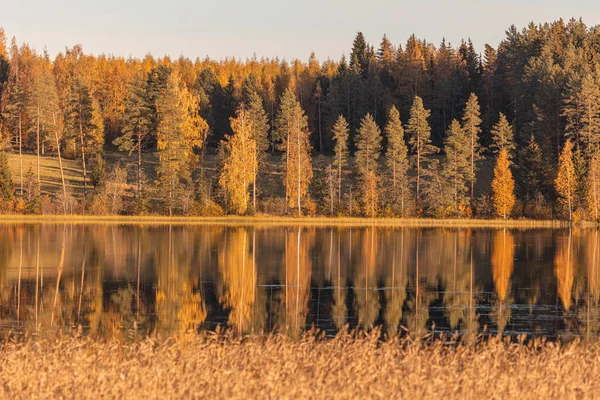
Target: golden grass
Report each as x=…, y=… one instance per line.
x=287, y=221
x=212, y=366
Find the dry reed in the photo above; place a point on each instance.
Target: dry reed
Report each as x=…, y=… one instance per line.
x=210, y=366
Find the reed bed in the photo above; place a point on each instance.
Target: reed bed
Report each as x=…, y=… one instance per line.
x=348, y=366
x=263, y=220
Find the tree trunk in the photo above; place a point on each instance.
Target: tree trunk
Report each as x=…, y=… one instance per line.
x=139, y=180
x=299, y=164
x=82, y=140
x=60, y=165
x=21, y=153
x=38, y=144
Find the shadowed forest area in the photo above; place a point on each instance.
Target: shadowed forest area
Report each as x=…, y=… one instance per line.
x=393, y=129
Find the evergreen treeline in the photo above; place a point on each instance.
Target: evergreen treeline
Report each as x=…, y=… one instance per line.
x=392, y=130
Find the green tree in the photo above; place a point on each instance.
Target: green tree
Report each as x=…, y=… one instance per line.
x=502, y=137
x=396, y=158
x=456, y=168
x=84, y=126
x=368, y=151
x=419, y=132
x=471, y=123
x=137, y=125
x=532, y=171
x=340, y=134
x=582, y=112
x=565, y=180
x=179, y=132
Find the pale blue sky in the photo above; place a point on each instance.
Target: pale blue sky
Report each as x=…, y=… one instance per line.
x=220, y=28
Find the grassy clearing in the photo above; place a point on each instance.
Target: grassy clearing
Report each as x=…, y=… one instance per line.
x=276, y=367
x=287, y=221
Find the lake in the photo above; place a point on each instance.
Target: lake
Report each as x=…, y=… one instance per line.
x=130, y=281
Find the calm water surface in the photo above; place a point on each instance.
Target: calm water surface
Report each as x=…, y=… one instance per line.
x=129, y=281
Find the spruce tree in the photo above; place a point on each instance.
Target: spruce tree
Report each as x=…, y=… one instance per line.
x=340, y=134
x=471, y=123
x=565, y=180
x=502, y=137
x=532, y=171
x=503, y=186
x=84, y=126
x=368, y=151
x=396, y=158
x=137, y=125
x=456, y=168
x=419, y=133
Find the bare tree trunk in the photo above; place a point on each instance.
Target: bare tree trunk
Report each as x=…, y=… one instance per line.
x=320, y=131
x=254, y=165
x=299, y=164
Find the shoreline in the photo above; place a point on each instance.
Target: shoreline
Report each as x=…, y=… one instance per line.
x=290, y=221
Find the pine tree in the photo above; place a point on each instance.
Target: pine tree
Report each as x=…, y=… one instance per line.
x=419, y=133
x=385, y=54
x=179, y=131
x=291, y=127
x=240, y=164
x=368, y=151
x=593, y=183
x=6, y=182
x=565, y=180
x=396, y=158
x=84, y=126
x=137, y=125
x=260, y=130
x=503, y=186
x=456, y=168
x=471, y=123
x=359, y=58
x=582, y=112
x=502, y=137
x=340, y=134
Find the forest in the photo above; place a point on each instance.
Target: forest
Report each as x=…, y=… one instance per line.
x=414, y=129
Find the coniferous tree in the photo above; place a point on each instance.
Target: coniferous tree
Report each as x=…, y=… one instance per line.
x=33, y=196
x=456, y=168
x=137, y=126
x=582, y=112
x=471, y=125
x=502, y=137
x=532, y=172
x=179, y=131
x=240, y=164
x=84, y=126
x=396, y=158
x=565, y=180
x=293, y=137
x=503, y=186
x=368, y=151
x=340, y=134
x=419, y=132
x=593, y=186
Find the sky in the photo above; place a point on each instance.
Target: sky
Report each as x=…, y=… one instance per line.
x=269, y=28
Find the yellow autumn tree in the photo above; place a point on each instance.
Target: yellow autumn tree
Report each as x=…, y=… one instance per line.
x=502, y=259
x=565, y=180
x=240, y=164
x=503, y=186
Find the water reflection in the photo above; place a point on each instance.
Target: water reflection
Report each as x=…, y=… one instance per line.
x=133, y=281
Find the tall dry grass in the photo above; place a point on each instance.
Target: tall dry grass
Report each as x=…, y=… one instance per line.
x=276, y=367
